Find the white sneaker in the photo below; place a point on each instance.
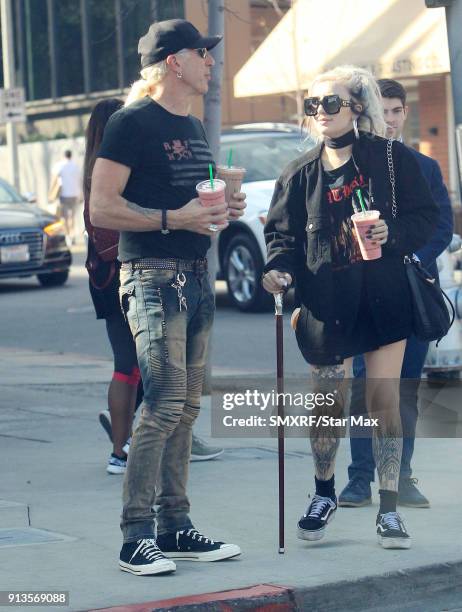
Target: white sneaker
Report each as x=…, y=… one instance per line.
x=201, y=451
x=126, y=446
x=116, y=465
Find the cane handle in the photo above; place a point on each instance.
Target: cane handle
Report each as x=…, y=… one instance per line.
x=278, y=303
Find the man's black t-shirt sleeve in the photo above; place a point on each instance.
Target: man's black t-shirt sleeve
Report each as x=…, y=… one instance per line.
x=122, y=141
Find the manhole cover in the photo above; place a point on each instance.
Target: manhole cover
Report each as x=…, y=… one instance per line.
x=25, y=537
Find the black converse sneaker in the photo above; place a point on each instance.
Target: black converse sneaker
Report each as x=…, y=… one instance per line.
x=391, y=532
x=190, y=545
x=313, y=523
x=144, y=557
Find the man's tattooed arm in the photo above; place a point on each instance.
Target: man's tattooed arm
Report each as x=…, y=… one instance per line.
x=148, y=213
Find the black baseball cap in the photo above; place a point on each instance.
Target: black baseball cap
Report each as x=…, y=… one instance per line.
x=167, y=37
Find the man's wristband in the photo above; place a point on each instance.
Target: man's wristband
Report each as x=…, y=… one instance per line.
x=164, y=229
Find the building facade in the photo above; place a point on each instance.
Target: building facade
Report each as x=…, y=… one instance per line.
x=71, y=53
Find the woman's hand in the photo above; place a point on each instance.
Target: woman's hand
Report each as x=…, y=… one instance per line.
x=237, y=206
x=378, y=233
x=276, y=282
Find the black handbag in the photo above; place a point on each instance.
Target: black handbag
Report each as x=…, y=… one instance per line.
x=431, y=317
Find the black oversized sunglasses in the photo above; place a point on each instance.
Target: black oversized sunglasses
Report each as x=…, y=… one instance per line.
x=331, y=104
x=203, y=52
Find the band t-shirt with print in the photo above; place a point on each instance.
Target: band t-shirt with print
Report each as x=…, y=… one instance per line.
x=340, y=187
x=168, y=155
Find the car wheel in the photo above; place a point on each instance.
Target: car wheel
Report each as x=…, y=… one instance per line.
x=55, y=279
x=243, y=268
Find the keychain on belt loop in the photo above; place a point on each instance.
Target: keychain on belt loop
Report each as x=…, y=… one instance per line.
x=179, y=283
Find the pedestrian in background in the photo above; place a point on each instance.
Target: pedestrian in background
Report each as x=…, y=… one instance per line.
x=350, y=305
x=361, y=470
x=66, y=183
x=104, y=282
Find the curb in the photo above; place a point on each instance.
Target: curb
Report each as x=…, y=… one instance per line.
x=368, y=593
x=262, y=597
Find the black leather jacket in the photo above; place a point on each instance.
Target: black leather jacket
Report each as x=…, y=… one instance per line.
x=298, y=237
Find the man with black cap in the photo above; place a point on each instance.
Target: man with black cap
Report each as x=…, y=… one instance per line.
x=152, y=156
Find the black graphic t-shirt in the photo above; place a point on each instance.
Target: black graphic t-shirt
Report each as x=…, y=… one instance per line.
x=168, y=155
x=340, y=187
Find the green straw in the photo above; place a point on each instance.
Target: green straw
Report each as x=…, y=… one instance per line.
x=361, y=201
x=211, y=176
x=230, y=158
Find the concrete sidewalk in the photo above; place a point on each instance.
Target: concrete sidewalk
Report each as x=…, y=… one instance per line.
x=59, y=511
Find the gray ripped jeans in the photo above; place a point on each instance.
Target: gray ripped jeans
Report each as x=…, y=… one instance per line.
x=171, y=346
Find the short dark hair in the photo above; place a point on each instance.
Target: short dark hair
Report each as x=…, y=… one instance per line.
x=68, y=154
x=392, y=89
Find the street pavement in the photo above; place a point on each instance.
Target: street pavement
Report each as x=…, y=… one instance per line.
x=59, y=509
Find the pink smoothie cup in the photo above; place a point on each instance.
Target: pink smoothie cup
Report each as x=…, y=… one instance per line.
x=233, y=177
x=362, y=222
x=209, y=196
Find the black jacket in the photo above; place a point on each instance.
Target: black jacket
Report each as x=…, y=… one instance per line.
x=298, y=235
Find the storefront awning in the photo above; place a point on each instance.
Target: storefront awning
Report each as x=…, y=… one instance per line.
x=392, y=38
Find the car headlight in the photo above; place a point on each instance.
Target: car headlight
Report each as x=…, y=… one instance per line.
x=55, y=229
x=262, y=216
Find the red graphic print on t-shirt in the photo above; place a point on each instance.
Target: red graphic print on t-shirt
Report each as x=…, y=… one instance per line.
x=344, y=243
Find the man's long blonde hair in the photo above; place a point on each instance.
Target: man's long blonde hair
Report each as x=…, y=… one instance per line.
x=363, y=88
x=151, y=76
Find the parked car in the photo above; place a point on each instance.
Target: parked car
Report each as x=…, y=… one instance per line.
x=32, y=241
x=263, y=149
x=444, y=360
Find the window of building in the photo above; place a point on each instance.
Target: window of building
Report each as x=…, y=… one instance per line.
x=49, y=39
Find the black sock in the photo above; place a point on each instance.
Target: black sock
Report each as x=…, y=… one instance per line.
x=122, y=457
x=325, y=488
x=388, y=501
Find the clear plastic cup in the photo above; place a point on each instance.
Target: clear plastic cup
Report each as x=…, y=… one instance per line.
x=233, y=177
x=362, y=222
x=209, y=196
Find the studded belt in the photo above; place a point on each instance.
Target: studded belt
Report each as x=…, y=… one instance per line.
x=157, y=263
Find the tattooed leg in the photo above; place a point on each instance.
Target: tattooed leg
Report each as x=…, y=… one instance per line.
x=382, y=397
x=387, y=448
x=325, y=440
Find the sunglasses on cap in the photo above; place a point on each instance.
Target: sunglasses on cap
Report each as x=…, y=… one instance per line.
x=331, y=105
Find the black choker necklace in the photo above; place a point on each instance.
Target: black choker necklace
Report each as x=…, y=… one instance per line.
x=341, y=141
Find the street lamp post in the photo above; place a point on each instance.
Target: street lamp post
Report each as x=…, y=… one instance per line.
x=8, y=83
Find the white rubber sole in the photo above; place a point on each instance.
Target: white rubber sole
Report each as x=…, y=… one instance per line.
x=228, y=551
x=346, y=504
x=206, y=457
x=313, y=536
x=115, y=469
x=393, y=543
x=159, y=567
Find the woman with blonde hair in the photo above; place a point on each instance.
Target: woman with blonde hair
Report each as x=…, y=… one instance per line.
x=350, y=305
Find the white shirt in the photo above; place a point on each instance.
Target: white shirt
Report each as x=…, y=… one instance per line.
x=69, y=174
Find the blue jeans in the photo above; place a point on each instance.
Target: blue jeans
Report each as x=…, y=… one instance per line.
x=363, y=464
x=171, y=346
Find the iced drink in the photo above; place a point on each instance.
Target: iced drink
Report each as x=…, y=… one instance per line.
x=362, y=222
x=233, y=177
x=209, y=196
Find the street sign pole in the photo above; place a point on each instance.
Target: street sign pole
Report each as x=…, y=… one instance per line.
x=8, y=77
